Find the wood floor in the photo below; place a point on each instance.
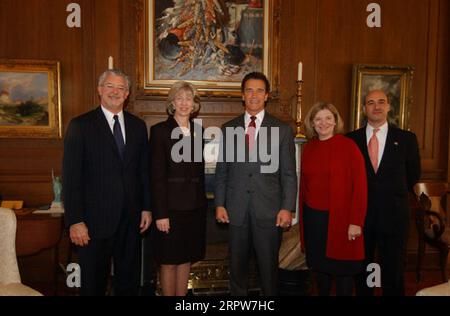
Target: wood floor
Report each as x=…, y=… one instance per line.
x=430, y=277
x=38, y=272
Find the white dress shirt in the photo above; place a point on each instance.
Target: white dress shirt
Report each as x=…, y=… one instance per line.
x=258, y=121
x=110, y=118
x=381, y=136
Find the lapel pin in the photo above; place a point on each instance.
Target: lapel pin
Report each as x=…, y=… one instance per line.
x=396, y=143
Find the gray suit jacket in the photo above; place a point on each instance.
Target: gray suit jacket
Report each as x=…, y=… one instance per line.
x=241, y=187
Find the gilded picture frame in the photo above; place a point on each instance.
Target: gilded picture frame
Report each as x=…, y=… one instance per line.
x=30, y=99
x=394, y=80
x=210, y=43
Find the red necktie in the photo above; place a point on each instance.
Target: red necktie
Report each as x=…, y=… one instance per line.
x=373, y=149
x=250, y=135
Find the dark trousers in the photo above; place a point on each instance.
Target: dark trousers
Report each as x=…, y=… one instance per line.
x=266, y=243
x=344, y=284
x=95, y=262
x=391, y=250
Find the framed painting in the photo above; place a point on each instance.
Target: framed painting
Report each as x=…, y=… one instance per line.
x=30, y=102
x=210, y=43
x=395, y=81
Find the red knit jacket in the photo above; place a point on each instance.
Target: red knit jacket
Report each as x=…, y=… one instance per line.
x=347, y=195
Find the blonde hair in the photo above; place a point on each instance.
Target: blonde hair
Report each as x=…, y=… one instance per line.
x=319, y=106
x=182, y=86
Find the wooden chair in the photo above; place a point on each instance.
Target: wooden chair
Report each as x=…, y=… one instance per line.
x=431, y=216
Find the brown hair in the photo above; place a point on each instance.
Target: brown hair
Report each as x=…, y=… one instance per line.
x=319, y=106
x=257, y=76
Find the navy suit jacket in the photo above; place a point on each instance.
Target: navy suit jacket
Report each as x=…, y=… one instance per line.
x=175, y=185
x=100, y=188
x=399, y=170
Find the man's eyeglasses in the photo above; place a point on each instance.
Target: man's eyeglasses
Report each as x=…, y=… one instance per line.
x=111, y=87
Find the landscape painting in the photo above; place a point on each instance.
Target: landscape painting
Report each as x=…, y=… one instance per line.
x=29, y=98
x=23, y=99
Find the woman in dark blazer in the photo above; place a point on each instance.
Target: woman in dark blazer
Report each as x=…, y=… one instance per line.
x=177, y=188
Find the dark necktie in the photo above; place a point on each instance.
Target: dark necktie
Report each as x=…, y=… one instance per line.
x=250, y=135
x=118, y=136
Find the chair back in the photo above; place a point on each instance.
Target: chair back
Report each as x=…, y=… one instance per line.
x=437, y=192
x=431, y=218
x=9, y=270
x=430, y=210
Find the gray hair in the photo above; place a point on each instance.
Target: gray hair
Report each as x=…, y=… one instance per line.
x=115, y=72
x=182, y=86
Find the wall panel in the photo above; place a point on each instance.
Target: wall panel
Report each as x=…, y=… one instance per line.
x=328, y=36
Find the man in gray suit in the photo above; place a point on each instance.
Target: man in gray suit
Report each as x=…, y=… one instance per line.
x=255, y=186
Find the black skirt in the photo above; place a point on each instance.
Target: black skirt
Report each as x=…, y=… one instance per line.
x=185, y=241
x=315, y=227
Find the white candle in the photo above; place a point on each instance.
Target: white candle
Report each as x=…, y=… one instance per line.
x=300, y=71
x=110, y=62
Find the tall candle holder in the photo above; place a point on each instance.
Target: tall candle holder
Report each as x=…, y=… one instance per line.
x=299, y=110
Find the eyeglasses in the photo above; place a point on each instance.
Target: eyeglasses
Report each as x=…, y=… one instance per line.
x=111, y=87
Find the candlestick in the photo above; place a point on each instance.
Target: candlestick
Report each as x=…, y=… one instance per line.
x=300, y=72
x=110, y=62
x=299, y=107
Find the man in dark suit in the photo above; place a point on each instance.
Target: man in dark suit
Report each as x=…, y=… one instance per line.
x=106, y=189
x=393, y=167
x=255, y=196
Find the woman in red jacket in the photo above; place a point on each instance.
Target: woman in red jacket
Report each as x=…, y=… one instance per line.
x=333, y=199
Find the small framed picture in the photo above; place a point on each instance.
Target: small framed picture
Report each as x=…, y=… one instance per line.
x=395, y=81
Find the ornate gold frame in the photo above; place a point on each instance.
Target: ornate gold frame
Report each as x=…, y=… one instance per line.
x=52, y=69
x=397, y=79
x=147, y=85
